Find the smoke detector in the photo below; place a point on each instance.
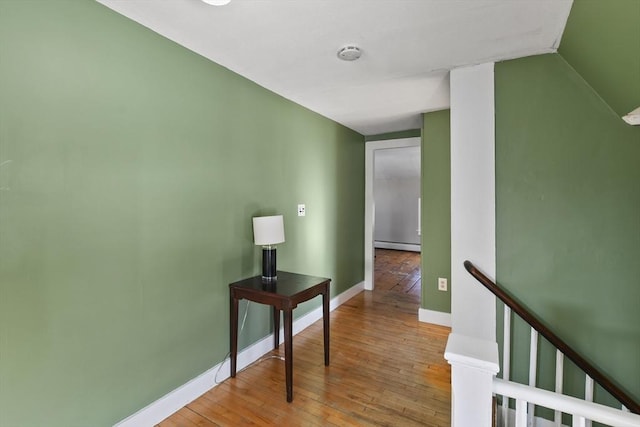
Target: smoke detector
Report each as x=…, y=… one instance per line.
x=349, y=53
x=216, y=2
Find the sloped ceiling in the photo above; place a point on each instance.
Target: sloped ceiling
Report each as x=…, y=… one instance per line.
x=409, y=46
x=602, y=43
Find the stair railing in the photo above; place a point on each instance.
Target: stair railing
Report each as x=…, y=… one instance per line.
x=537, y=327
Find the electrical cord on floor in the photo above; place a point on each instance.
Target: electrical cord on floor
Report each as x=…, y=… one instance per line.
x=244, y=319
x=262, y=359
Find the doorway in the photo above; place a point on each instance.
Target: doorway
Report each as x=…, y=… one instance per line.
x=372, y=149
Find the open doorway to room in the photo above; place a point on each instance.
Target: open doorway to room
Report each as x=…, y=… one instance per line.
x=392, y=217
x=396, y=231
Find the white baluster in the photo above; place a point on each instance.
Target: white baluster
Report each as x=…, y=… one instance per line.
x=578, y=421
x=521, y=413
x=533, y=367
x=559, y=380
x=506, y=361
x=588, y=393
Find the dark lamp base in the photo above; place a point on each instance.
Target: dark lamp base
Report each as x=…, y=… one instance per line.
x=269, y=264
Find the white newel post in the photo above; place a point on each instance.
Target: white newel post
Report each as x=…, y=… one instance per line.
x=474, y=363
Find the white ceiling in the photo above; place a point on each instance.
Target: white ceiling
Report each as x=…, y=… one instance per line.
x=290, y=46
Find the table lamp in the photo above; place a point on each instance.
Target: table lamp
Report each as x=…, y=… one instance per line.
x=267, y=232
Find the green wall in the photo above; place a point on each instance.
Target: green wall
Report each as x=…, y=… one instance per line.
x=436, y=209
x=568, y=210
x=130, y=170
x=602, y=42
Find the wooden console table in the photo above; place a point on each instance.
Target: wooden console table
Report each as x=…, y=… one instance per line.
x=283, y=295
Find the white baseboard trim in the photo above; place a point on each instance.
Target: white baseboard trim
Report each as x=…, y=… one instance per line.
x=435, y=317
x=397, y=246
x=157, y=411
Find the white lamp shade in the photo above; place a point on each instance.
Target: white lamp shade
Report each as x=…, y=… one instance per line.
x=268, y=230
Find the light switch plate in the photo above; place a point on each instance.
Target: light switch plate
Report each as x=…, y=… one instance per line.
x=301, y=210
x=442, y=284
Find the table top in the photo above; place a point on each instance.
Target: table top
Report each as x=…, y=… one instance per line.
x=287, y=285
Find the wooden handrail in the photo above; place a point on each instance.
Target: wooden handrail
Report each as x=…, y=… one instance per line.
x=567, y=350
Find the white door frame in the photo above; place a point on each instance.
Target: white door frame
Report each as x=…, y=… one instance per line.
x=369, y=202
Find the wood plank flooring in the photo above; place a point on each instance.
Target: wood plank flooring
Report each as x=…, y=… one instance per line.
x=387, y=369
x=398, y=271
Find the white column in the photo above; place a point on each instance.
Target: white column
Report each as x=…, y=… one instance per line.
x=472, y=199
x=474, y=363
x=472, y=350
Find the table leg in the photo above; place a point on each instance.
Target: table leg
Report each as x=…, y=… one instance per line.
x=233, y=334
x=325, y=321
x=276, y=328
x=288, y=351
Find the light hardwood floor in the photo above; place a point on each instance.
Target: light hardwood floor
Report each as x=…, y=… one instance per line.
x=386, y=367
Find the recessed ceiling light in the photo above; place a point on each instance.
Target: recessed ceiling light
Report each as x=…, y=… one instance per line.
x=349, y=53
x=216, y=2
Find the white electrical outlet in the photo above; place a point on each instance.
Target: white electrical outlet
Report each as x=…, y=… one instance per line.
x=301, y=210
x=442, y=284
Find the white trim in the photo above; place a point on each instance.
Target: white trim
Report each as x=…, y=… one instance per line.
x=397, y=246
x=162, y=408
x=435, y=317
x=369, y=203
x=567, y=404
x=472, y=352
